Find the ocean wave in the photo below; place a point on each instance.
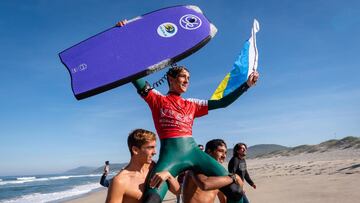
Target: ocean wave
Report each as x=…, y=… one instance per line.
x=0, y=180
x=22, y=180
x=15, y=182
x=42, y=198
x=26, y=178
x=73, y=176
x=81, y=176
x=59, y=177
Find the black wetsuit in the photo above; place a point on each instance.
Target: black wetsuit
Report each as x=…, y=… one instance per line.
x=103, y=181
x=238, y=166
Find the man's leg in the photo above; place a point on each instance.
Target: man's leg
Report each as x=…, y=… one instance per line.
x=179, y=154
x=172, y=158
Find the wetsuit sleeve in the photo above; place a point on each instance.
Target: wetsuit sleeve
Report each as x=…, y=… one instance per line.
x=233, y=165
x=247, y=178
x=139, y=84
x=228, y=99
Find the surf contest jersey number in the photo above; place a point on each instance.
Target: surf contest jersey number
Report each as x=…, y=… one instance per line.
x=146, y=44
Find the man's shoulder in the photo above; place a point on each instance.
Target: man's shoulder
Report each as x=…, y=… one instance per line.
x=153, y=96
x=154, y=93
x=122, y=178
x=235, y=159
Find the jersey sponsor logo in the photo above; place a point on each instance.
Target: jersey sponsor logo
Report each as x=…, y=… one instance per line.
x=190, y=22
x=167, y=30
x=168, y=116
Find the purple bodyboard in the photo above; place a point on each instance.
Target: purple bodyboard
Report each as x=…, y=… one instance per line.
x=144, y=45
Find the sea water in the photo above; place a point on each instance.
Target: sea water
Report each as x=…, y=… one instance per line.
x=46, y=188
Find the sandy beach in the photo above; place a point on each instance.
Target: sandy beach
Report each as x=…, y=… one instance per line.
x=308, y=177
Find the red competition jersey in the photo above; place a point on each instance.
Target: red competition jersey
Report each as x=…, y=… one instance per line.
x=174, y=116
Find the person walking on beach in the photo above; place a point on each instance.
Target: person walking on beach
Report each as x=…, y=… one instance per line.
x=201, y=189
x=237, y=165
x=128, y=185
x=103, y=181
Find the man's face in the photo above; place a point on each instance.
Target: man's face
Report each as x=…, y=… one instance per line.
x=242, y=150
x=219, y=154
x=180, y=83
x=147, y=151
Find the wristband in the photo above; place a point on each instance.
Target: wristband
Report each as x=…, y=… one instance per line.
x=233, y=177
x=145, y=90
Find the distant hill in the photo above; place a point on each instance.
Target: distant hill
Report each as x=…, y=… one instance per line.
x=345, y=143
x=114, y=168
x=81, y=170
x=259, y=150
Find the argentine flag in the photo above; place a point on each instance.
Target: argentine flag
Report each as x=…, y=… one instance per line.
x=244, y=65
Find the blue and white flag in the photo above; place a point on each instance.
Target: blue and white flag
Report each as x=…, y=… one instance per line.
x=244, y=65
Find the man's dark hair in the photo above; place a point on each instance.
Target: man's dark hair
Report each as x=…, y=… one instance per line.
x=174, y=71
x=237, y=147
x=212, y=145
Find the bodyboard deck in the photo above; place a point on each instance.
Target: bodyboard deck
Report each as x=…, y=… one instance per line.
x=146, y=44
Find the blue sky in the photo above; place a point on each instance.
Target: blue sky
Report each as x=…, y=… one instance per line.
x=309, y=90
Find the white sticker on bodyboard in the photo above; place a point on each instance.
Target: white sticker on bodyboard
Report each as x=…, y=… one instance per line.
x=190, y=22
x=81, y=67
x=167, y=29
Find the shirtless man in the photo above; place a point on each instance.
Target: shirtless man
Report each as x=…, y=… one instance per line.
x=128, y=185
x=199, y=188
